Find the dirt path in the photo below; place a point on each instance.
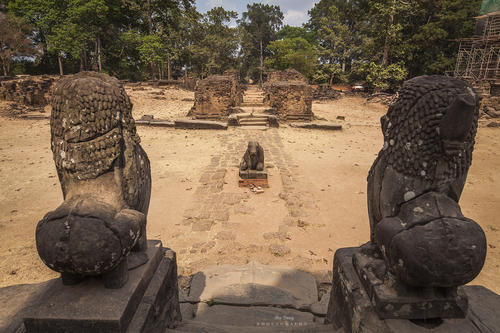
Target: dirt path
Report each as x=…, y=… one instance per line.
x=316, y=202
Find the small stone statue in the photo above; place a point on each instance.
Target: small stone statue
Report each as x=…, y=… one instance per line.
x=416, y=181
x=253, y=158
x=105, y=179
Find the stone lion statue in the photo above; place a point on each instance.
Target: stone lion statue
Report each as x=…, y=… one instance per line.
x=105, y=179
x=253, y=159
x=415, y=184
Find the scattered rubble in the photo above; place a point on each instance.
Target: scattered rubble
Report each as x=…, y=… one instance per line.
x=323, y=92
x=383, y=98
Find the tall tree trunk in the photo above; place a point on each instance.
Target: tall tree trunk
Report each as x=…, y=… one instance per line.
x=59, y=60
x=185, y=73
x=387, y=45
x=150, y=29
x=261, y=63
x=99, y=63
x=169, y=69
x=84, y=63
x=4, y=68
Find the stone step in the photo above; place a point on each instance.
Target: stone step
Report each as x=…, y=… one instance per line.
x=254, y=109
x=254, y=95
x=253, y=127
x=252, y=119
x=253, y=101
x=259, y=123
x=244, y=104
x=193, y=326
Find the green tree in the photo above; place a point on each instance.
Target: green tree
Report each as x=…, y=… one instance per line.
x=15, y=41
x=378, y=77
x=46, y=17
x=217, y=46
x=295, y=53
x=292, y=32
x=259, y=25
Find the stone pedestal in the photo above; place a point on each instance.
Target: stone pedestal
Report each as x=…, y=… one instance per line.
x=352, y=309
x=253, y=174
x=147, y=302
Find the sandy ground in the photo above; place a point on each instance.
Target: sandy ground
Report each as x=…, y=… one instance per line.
x=316, y=202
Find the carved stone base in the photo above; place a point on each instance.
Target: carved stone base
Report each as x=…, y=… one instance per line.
x=148, y=302
x=395, y=300
x=350, y=306
x=253, y=174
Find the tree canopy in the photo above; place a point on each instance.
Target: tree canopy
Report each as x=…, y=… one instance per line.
x=377, y=42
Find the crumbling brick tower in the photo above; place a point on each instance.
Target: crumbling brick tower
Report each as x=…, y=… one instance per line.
x=478, y=60
x=289, y=93
x=215, y=96
x=30, y=90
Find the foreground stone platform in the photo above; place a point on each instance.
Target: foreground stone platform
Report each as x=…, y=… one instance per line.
x=148, y=301
x=252, y=298
x=350, y=307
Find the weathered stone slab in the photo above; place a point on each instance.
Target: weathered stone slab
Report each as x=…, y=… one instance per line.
x=162, y=123
x=149, y=296
x=350, y=307
x=15, y=299
x=254, y=284
x=155, y=123
x=199, y=124
x=321, y=126
x=252, y=316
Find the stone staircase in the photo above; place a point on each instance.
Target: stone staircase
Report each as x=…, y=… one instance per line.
x=253, y=106
x=253, y=97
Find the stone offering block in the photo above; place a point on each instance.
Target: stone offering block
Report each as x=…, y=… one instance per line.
x=350, y=307
x=147, y=302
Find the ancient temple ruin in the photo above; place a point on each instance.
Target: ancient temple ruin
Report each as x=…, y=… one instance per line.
x=216, y=96
x=478, y=60
x=290, y=95
x=29, y=90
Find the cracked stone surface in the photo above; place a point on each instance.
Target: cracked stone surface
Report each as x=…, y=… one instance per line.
x=254, y=284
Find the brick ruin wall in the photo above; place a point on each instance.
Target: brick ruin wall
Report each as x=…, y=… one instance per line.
x=289, y=93
x=489, y=91
x=215, y=96
x=286, y=75
x=292, y=100
x=33, y=91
